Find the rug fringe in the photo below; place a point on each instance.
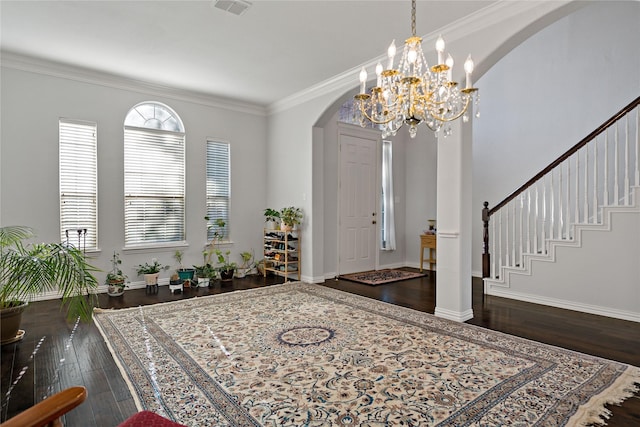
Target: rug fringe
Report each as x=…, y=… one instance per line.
x=594, y=412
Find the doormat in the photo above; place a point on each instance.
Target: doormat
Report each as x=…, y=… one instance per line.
x=307, y=355
x=380, y=277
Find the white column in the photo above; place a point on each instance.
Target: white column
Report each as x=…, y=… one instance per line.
x=454, y=221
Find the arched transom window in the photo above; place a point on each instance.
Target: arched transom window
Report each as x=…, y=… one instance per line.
x=154, y=184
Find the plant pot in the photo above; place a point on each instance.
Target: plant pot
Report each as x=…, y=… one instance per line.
x=203, y=282
x=186, y=273
x=151, y=279
x=10, y=319
x=115, y=288
x=286, y=228
x=241, y=272
x=226, y=275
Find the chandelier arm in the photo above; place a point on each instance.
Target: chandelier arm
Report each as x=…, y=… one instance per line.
x=457, y=116
x=372, y=120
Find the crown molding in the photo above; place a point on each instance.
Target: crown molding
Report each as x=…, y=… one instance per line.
x=489, y=16
x=16, y=61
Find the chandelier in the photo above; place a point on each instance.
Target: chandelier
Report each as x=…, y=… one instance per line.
x=414, y=93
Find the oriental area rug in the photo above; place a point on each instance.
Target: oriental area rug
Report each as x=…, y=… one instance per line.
x=379, y=277
x=307, y=355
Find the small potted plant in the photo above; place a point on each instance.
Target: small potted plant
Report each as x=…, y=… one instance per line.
x=151, y=273
x=225, y=267
x=271, y=218
x=247, y=264
x=184, y=273
x=115, y=277
x=290, y=217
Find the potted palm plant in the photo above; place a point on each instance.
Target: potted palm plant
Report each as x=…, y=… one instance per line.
x=27, y=270
x=115, y=277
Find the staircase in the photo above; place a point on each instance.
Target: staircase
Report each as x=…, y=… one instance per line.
x=570, y=236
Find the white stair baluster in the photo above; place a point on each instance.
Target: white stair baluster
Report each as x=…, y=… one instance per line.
x=560, y=193
x=585, y=213
x=535, y=223
x=626, y=161
x=552, y=215
x=529, y=220
x=543, y=236
x=500, y=263
x=521, y=228
x=637, y=180
x=595, y=177
x=605, y=197
x=616, y=161
x=513, y=239
x=506, y=238
x=576, y=216
x=493, y=248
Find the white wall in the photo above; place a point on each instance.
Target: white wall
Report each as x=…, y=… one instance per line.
x=32, y=104
x=549, y=93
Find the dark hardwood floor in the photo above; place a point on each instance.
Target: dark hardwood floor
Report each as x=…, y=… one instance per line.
x=55, y=354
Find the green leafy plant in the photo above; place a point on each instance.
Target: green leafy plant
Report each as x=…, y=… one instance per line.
x=271, y=215
x=291, y=216
x=247, y=260
x=178, y=254
x=224, y=265
x=152, y=268
x=205, y=270
x=116, y=277
x=27, y=270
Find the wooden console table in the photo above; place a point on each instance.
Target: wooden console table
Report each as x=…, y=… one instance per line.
x=428, y=241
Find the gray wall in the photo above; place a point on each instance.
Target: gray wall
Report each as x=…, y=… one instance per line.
x=32, y=104
x=549, y=93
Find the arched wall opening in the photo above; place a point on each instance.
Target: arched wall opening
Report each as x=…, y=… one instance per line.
x=417, y=171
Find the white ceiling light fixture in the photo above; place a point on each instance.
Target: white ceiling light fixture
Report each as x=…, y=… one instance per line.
x=415, y=93
x=237, y=7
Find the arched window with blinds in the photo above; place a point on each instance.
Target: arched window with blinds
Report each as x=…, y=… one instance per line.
x=154, y=177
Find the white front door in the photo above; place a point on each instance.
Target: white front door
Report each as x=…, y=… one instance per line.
x=358, y=198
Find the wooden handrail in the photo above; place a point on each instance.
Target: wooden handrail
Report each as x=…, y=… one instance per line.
x=49, y=410
x=566, y=155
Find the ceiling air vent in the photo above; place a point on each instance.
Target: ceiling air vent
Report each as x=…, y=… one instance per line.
x=237, y=7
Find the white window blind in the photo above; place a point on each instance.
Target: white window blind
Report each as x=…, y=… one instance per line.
x=154, y=186
x=78, y=175
x=218, y=183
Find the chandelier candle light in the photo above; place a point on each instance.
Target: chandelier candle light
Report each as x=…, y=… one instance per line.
x=415, y=93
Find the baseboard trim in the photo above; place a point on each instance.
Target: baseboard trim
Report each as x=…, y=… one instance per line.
x=456, y=316
x=564, y=304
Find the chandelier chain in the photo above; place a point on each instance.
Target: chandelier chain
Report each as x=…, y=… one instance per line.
x=413, y=18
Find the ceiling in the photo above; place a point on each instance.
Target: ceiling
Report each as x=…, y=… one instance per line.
x=272, y=51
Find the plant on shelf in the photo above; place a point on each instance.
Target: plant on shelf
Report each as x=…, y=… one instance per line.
x=225, y=267
x=271, y=216
x=290, y=217
x=247, y=264
x=27, y=270
x=115, y=277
